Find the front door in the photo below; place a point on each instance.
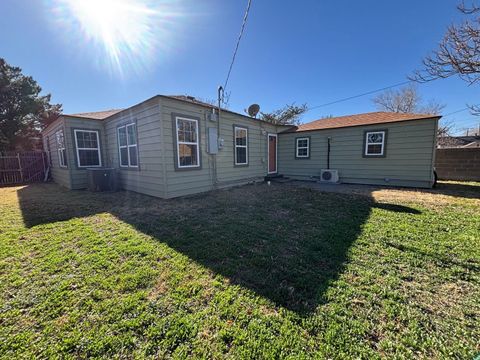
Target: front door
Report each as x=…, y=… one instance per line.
x=272, y=153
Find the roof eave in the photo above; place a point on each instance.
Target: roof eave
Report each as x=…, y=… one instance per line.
x=437, y=117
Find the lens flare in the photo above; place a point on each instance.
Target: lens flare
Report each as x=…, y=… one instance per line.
x=122, y=36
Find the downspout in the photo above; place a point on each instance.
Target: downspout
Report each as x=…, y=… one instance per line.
x=328, y=152
x=434, y=154
x=215, y=169
x=163, y=149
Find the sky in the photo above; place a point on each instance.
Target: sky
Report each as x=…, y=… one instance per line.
x=312, y=52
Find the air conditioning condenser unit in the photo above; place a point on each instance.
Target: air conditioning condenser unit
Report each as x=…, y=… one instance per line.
x=328, y=175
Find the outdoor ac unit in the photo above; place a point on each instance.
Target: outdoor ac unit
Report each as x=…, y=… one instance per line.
x=102, y=179
x=327, y=175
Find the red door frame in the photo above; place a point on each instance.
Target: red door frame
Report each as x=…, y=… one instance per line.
x=276, y=153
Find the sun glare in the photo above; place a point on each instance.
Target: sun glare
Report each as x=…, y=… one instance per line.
x=123, y=35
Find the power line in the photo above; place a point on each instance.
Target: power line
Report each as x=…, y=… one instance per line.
x=455, y=112
x=360, y=95
x=245, y=17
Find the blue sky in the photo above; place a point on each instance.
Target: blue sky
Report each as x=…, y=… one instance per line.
x=303, y=51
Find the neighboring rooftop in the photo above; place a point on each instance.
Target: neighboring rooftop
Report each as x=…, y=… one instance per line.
x=379, y=117
x=96, y=115
x=458, y=142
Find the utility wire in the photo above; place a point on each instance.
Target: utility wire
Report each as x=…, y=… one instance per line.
x=360, y=95
x=455, y=112
x=245, y=17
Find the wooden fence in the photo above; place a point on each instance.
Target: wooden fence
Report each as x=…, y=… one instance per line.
x=22, y=167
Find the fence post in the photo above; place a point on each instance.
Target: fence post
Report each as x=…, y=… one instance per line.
x=20, y=166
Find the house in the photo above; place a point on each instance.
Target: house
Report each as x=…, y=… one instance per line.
x=378, y=148
x=169, y=146
x=449, y=142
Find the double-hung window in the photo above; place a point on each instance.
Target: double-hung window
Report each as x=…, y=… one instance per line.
x=62, y=153
x=188, y=149
x=302, y=148
x=87, y=143
x=375, y=143
x=127, y=146
x=241, y=145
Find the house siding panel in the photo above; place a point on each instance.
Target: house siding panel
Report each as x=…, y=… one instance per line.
x=79, y=175
x=60, y=175
x=149, y=177
x=186, y=182
x=408, y=160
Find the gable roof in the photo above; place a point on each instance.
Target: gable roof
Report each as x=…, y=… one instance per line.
x=102, y=115
x=96, y=115
x=379, y=117
x=192, y=99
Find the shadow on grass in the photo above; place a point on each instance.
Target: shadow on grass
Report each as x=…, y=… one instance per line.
x=285, y=244
x=464, y=190
x=439, y=259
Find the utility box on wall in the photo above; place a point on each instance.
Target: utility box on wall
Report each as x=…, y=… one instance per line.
x=212, y=134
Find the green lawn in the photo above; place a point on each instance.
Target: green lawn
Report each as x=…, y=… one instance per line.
x=253, y=272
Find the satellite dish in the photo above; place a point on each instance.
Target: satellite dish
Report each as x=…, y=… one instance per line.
x=253, y=110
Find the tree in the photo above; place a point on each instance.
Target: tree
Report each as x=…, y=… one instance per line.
x=406, y=100
x=287, y=115
x=458, y=53
x=23, y=111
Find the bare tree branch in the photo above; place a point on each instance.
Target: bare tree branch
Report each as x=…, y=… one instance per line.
x=468, y=10
x=474, y=109
x=458, y=53
x=406, y=100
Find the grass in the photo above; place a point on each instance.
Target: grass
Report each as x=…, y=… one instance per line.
x=252, y=272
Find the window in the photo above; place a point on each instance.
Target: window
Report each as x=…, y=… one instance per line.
x=88, y=148
x=241, y=145
x=302, y=148
x=375, y=143
x=62, y=153
x=127, y=146
x=188, y=152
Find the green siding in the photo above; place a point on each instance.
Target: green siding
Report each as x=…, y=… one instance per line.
x=149, y=177
x=60, y=175
x=408, y=160
x=79, y=175
x=185, y=182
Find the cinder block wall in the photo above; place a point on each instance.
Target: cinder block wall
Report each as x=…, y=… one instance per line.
x=458, y=164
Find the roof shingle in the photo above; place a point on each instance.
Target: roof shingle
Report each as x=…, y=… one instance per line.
x=372, y=118
x=97, y=115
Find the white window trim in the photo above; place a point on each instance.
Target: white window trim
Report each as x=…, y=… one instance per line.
x=61, y=156
x=240, y=146
x=128, y=146
x=377, y=143
x=302, y=147
x=78, y=149
x=197, y=143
